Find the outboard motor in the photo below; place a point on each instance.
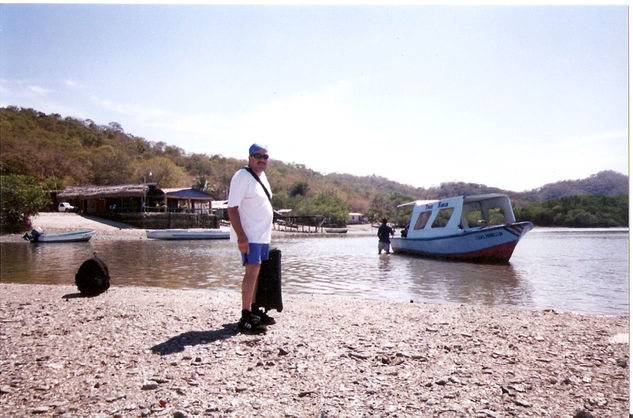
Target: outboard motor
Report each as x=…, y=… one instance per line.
x=93, y=277
x=34, y=235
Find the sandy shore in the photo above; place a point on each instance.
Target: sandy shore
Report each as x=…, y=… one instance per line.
x=158, y=352
x=109, y=230
x=52, y=222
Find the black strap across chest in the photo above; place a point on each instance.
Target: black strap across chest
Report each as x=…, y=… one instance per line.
x=247, y=168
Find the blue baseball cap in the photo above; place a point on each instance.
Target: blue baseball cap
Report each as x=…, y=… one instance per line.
x=257, y=147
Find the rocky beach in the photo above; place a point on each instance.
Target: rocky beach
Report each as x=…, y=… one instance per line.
x=137, y=351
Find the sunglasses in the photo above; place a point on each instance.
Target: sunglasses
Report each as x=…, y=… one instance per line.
x=259, y=156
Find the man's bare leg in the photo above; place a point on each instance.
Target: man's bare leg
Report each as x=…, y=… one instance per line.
x=249, y=285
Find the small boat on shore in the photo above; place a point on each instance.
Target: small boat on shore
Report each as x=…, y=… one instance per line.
x=336, y=230
x=37, y=235
x=186, y=234
x=478, y=228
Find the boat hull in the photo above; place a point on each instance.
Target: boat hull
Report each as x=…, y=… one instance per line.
x=336, y=230
x=187, y=234
x=488, y=245
x=77, y=236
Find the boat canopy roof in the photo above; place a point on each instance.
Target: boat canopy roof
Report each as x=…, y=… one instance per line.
x=417, y=203
x=480, y=197
x=466, y=199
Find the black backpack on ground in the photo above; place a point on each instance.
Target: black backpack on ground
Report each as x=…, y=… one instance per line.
x=92, y=278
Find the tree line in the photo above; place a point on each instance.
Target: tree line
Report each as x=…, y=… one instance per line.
x=50, y=152
x=577, y=212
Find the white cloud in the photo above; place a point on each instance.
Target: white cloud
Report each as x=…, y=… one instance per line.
x=39, y=90
x=129, y=109
x=318, y=119
x=188, y=131
x=317, y=128
x=23, y=93
x=72, y=84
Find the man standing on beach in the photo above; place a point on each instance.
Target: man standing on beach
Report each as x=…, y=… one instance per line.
x=251, y=215
x=385, y=232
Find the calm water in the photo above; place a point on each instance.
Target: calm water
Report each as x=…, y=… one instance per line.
x=566, y=270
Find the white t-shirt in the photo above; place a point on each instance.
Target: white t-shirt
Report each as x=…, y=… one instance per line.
x=256, y=212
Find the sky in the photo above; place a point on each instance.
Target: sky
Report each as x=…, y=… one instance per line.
x=513, y=97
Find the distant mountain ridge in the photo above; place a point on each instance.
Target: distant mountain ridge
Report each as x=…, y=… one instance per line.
x=604, y=183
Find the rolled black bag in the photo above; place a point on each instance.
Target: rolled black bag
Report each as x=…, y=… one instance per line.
x=93, y=277
x=268, y=295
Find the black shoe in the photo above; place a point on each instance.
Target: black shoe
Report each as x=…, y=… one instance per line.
x=263, y=317
x=250, y=323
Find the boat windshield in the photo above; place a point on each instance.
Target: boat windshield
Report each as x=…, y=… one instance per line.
x=487, y=212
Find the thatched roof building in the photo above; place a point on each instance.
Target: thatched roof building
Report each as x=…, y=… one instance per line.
x=142, y=197
x=121, y=190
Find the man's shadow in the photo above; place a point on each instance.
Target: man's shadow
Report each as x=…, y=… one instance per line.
x=178, y=343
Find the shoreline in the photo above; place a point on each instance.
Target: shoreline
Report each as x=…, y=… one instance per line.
x=136, y=351
x=115, y=231
x=106, y=230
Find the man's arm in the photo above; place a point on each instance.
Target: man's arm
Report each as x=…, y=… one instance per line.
x=242, y=240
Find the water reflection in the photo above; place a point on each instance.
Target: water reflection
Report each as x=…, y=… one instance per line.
x=577, y=270
x=489, y=285
x=582, y=271
x=173, y=264
x=43, y=263
x=350, y=267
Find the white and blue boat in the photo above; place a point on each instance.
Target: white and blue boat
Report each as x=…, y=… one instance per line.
x=478, y=228
x=187, y=234
x=37, y=235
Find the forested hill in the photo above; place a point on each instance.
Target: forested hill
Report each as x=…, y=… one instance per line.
x=60, y=152
x=604, y=183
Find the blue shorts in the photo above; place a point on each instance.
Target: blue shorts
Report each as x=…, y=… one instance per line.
x=256, y=254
